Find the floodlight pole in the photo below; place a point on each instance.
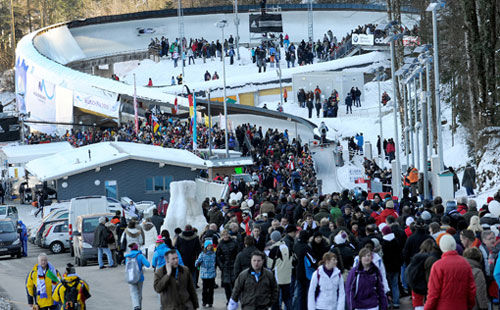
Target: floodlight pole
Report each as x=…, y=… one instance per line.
x=380, y=123
x=180, y=20
x=411, y=124
x=237, y=24
x=310, y=21
x=424, y=136
x=417, y=123
x=209, y=125
x=406, y=127
x=433, y=7
x=429, y=107
x=396, y=187
x=221, y=25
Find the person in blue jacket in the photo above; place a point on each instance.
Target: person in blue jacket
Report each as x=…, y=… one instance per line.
x=23, y=236
x=159, y=254
x=136, y=289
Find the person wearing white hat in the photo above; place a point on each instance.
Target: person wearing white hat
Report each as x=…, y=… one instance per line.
x=451, y=283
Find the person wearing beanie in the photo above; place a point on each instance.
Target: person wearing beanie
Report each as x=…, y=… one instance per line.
x=280, y=263
x=389, y=210
x=412, y=245
x=161, y=249
x=101, y=237
x=206, y=263
x=451, y=283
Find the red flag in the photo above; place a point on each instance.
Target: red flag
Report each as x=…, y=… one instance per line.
x=175, y=109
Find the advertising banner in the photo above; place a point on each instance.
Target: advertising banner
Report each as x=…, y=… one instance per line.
x=363, y=39
x=105, y=103
x=40, y=101
x=379, y=37
x=262, y=23
x=21, y=70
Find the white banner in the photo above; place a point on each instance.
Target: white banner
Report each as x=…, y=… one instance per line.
x=411, y=41
x=40, y=102
x=355, y=173
x=362, y=39
x=105, y=104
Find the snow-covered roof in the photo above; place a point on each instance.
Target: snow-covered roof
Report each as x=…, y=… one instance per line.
x=21, y=154
x=94, y=156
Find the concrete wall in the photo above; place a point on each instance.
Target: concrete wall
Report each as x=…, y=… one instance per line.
x=130, y=176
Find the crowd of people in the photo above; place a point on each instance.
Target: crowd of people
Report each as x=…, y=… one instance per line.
x=327, y=107
x=284, y=243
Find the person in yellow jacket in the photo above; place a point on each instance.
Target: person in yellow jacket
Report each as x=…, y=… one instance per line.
x=69, y=298
x=41, y=283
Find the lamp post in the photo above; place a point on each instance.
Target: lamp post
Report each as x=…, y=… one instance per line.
x=424, y=134
x=180, y=21
x=417, y=124
x=379, y=75
x=433, y=7
x=222, y=24
x=209, y=125
x=237, y=24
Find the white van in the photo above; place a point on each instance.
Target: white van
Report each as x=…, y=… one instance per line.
x=87, y=205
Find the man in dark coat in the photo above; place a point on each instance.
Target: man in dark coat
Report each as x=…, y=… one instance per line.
x=101, y=235
x=469, y=179
x=188, y=244
x=300, y=249
x=358, y=97
x=310, y=106
x=413, y=243
x=175, y=285
x=157, y=220
x=348, y=103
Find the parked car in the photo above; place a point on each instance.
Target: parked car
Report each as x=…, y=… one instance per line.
x=7, y=211
x=10, y=244
x=55, y=237
x=63, y=215
x=143, y=208
x=87, y=205
x=83, y=237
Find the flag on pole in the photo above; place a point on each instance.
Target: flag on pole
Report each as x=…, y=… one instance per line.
x=175, y=109
x=136, y=117
x=195, y=137
x=156, y=125
x=190, y=99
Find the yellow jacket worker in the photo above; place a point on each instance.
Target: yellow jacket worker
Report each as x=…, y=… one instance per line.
x=71, y=292
x=44, y=278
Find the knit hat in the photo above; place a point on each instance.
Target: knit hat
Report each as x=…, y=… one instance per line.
x=275, y=236
x=386, y=230
x=70, y=269
x=389, y=204
x=426, y=216
x=159, y=239
x=447, y=243
x=290, y=228
x=381, y=226
x=102, y=220
x=409, y=220
x=207, y=243
x=244, y=206
x=340, y=238
x=133, y=246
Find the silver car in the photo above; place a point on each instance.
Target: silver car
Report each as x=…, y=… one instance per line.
x=56, y=237
x=7, y=211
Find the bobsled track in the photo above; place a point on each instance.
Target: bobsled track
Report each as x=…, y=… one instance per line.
x=66, y=66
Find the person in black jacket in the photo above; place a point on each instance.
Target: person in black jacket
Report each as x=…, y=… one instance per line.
x=226, y=257
x=300, y=249
x=157, y=220
x=310, y=104
x=413, y=243
x=188, y=244
x=243, y=258
x=101, y=239
x=392, y=262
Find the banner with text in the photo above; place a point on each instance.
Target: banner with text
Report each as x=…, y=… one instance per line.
x=363, y=39
x=261, y=23
x=40, y=101
x=106, y=103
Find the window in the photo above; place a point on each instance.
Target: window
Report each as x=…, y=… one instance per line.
x=158, y=183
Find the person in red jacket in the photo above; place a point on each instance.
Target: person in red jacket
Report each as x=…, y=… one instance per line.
x=389, y=210
x=451, y=283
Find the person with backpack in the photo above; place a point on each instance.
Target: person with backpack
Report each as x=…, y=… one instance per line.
x=102, y=237
x=72, y=292
x=364, y=285
x=326, y=290
x=134, y=261
x=206, y=263
x=280, y=262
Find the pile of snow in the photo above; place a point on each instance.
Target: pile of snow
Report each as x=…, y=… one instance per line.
x=184, y=208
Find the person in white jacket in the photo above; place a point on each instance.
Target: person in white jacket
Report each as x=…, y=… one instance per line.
x=326, y=291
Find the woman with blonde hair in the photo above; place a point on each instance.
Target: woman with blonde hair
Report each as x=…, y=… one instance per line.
x=475, y=226
x=326, y=290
